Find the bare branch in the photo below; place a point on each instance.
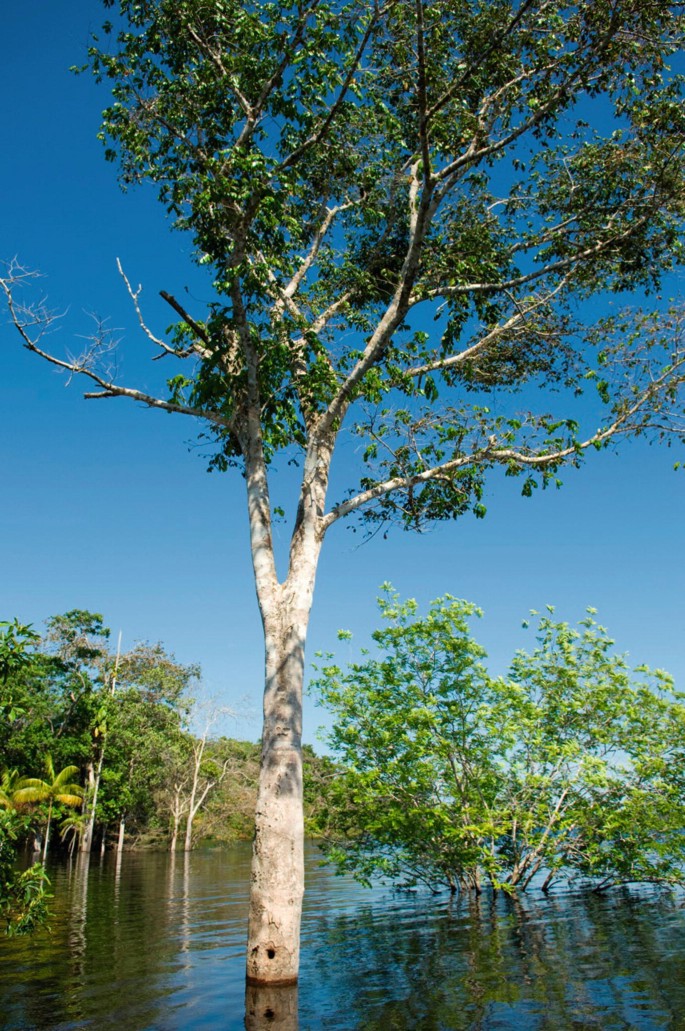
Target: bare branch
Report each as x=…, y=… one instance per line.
x=203, y=352
x=27, y=318
x=134, y=295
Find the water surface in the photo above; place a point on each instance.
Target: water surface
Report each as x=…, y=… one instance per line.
x=157, y=942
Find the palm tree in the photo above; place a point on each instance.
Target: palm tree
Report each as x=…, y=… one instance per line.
x=57, y=788
x=73, y=825
x=9, y=780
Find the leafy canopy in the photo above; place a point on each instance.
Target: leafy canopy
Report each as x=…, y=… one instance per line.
x=404, y=209
x=572, y=766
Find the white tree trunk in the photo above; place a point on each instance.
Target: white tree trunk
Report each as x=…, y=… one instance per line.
x=89, y=811
x=277, y=860
x=195, y=803
x=277, y=887
x=93, y=789
x=177, y=810
x=120, y=840
x=47, y=833
x=273, y=952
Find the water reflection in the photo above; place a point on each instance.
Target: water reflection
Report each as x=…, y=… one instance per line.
x=486, y=964
x=154, y=941
x=271, y=1009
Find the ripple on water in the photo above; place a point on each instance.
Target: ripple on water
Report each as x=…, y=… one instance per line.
x=159, y=943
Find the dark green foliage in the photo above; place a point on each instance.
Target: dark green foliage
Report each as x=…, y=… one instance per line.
x=24, y=894
x=58, y=691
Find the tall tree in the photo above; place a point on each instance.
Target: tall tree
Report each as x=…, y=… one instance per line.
x=349, y=171
x=79, y=639
x=57, y=787
x=142, y=716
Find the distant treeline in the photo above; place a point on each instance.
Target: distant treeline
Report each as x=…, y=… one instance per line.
x=111, y=751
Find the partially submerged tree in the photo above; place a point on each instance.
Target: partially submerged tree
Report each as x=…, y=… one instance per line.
x=570, y=767
x=349, y=172
x=206, y=773
x=145, y=725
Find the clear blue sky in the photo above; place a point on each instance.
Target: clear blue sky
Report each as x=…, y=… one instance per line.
x=109, y=507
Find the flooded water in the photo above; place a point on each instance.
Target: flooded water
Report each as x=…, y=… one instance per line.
x=156, y=942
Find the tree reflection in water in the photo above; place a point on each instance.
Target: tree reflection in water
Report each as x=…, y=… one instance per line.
x=152, y=941
x=539, y=965
x=269, y=1008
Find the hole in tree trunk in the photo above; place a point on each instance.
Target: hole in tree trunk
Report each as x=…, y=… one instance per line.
x=271, y=953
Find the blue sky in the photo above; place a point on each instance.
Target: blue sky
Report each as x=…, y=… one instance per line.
x=109, y=507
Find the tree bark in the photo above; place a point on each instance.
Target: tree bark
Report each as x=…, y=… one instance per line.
x=278, y=850
x=273, y=951
x=177, y=810
x=195, y=803
x=47, y=833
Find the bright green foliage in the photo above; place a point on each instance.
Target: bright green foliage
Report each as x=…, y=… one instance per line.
x=23, y=896
x=16, y=642
x=570, y=767
x=63, y=705
x=352, y=173
x=58, y=694
x=57, y=789
x=146, y=729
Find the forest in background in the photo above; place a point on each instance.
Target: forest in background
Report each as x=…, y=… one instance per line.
x=568, y=768
x=107, y=750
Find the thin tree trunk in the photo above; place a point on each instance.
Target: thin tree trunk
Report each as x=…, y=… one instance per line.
x=188, y=841
x=193, y=802
x=120, y=840
x=47, y=832
x=177, y=810
x=88, y=811
x=87, y=842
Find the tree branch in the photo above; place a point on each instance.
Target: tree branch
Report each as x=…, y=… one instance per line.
x=519, y=316
x=25, y=317
x=491, y=453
